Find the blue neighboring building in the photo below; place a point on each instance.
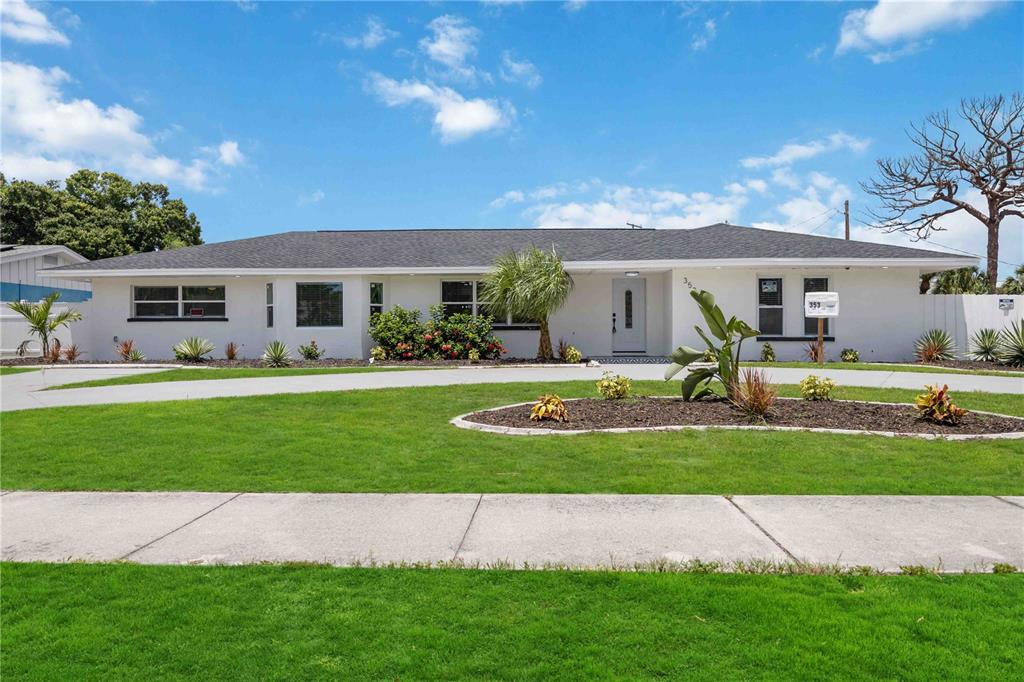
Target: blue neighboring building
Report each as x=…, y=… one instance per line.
x=19, y=265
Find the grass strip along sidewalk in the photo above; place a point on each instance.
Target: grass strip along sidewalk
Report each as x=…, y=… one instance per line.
x=399, y=440
x=216, y=373
x=80, y=621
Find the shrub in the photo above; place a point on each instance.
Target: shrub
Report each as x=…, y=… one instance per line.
x=193, y=349
x=377, y=354
x=549, y=407
x=394, y=327
x=984, y=346
x=451, y=337
x=125, y=348
x=71, y=353
x=613, y=387
x=135, y=355
x=754, y=394
x=276, y=354
x=474, y=356
x=814, y=352
x=730, y=332
x=1003, y=568
x=1011, y=344
x=936, y=406
x=52, y=354
x=312, y=352
x=231, y=350
x=935, y=345
x=813, y=387
x=849, y=355
x=573, y=355
x=767, y=353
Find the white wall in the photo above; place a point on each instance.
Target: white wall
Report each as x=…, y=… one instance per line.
x=14, y=330
x=880, y=311
x=961, y=315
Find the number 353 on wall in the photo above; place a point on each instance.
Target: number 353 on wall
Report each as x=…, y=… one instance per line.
x=821, y=304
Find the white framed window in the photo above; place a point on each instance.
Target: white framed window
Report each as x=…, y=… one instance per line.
x=463, y=296
x=376, y=297
x=769, y=306
x=185, y=302
x=270, y=304
x=814, y=284
x=319, y=304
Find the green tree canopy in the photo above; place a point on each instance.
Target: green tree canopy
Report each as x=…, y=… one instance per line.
x=962, y=281
x=99, y=215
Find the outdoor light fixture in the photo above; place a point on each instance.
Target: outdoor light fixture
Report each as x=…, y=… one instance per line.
x=632, y=273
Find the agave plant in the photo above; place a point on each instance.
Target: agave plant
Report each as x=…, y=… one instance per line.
x=276, y=354
x=193, y=349
x=1011, y=344
x=935, y=345
x=730, y=333
x=41, y=321
x=134, y=355
x=984, y=345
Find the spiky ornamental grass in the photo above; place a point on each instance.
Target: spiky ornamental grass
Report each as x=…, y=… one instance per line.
x=528, y=285
x=935, y=345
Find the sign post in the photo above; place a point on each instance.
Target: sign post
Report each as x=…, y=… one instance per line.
x=821, y=304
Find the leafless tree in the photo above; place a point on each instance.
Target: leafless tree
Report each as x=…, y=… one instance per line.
x=918, y=190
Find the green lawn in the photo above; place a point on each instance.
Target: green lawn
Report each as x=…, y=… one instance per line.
x=213, y=373
x=887, y=367
x=399, y=440
x=16, y=370
x=83, y=621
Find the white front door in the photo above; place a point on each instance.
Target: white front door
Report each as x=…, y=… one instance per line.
x=629, y=315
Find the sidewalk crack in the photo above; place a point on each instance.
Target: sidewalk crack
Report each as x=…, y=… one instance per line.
x=175, y=530
x=761, y=528
x=1011, y=502
x=468, y=526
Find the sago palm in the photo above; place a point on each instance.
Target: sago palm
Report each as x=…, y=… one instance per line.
x=528, y=285
x=40, y=322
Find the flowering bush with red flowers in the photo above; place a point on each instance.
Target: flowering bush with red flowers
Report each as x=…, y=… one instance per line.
x=402, y=336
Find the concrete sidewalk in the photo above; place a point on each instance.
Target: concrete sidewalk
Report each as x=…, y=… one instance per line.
x=885, y=532
x=21, y=391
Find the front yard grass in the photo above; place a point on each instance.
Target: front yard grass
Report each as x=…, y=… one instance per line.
x=5, y=370
x=214, y=373
x=399, y=440
x=81, y=621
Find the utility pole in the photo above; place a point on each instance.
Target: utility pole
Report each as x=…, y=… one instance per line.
x=846, y=216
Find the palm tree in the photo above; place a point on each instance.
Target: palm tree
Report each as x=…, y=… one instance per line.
x=529, y=285
x=39, y=320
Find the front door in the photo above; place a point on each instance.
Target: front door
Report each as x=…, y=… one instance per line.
x=629, y=315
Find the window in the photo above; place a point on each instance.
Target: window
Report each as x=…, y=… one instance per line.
x=629, y=309
x=463, y=297
x=270, y=304
x=376, y=297
x=318, y=304
x=769, y=306
x=50, y=260
x=179, y=302
x=813, y=284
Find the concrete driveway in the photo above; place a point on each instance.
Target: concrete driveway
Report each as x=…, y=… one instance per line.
x=22, y=391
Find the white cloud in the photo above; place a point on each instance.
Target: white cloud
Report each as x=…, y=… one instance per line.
x=574, y=5
x=21, y=22
x=813, y=208
x=897, y=21
x=229, y=154
x=792, y=152
x=45, y=133
x=376, y=33
x=247, y=5
x=513, y=196
x=815, y=54
x=519, y=72
x=314, y=197
x=452, y=44
x=704, y=37
x=455, y=118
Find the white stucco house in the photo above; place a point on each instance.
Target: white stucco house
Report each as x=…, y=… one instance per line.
x=630, y=299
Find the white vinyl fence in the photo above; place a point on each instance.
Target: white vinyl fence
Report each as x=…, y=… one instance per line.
x=14, y=329
x=961, y=315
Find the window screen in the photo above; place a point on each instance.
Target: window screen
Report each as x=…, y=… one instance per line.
x=318, y=304
x=769, y=301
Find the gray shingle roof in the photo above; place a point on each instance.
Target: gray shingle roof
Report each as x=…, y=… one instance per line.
x=472, y=248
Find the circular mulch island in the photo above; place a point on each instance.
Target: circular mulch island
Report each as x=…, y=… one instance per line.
x=587, y=415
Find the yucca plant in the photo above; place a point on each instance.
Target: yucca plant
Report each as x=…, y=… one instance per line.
x=1011, y=344
x=935, y=345
x=276, y=354
x=41, y=322
x=549, y=407
x=984, y=345
x=193, y=349
x=134, y=355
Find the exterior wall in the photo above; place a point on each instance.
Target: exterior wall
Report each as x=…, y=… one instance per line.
x=962, y=315
x=880, y=310
x=32, y=288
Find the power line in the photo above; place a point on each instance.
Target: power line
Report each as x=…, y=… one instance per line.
x=947, y=246
x=835, y=211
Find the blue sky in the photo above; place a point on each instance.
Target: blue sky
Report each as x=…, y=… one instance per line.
x=268, y=117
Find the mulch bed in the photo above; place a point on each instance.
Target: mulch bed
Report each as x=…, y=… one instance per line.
x=323, y=362
x=594, y=413
x=972, y=364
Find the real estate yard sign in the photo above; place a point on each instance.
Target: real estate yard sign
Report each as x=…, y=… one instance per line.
x=821, y=304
